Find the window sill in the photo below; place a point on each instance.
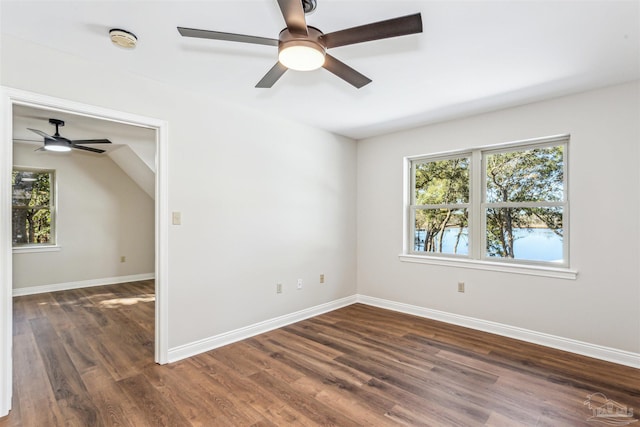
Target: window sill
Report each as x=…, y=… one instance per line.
x=531, y=270
x=34, y=249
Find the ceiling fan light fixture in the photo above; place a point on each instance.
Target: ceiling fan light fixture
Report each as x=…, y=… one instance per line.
x=123, y=38
x=58, y=146
x=301, y=55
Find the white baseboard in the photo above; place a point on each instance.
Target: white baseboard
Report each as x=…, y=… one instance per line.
x=31, y=290
x=201, y=346
x=609, y=354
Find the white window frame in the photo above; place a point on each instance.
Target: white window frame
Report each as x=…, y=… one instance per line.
x=413, y=208
x=477, y=257
x=564, y=204
x=53, y=207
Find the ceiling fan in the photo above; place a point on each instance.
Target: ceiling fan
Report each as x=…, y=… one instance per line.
x=60, y=143
x=304, y=48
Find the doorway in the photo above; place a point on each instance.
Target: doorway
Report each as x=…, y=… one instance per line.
x=11, y=99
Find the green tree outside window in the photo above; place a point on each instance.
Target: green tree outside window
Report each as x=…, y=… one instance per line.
x=514, y=209
x=32, y=207
x=442, y=194
x=520, y=184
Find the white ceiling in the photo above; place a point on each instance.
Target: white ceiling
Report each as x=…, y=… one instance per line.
x=77, y=127
x=473, y=56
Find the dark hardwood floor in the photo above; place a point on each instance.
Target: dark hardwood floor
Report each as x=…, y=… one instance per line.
x=85, y=358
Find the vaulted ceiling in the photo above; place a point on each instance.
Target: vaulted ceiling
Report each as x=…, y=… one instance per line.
x=473, y=56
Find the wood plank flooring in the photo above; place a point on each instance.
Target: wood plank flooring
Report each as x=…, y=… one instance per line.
x=85, y=358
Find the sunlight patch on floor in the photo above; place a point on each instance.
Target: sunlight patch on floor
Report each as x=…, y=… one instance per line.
x=118, y=302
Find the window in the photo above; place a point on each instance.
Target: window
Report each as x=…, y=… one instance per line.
x=441, y=205
x=33, y=213
x=504, y=203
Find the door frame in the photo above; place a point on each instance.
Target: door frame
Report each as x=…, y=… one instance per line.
x=10, y=97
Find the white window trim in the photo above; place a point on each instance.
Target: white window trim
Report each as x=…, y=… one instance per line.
x=412, y=209
x=476, y=258
x=26, y=249
x=505, y=267
x=503, y=148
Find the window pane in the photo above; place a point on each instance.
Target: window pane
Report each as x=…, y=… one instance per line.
x=442, y=182
x=441, y=231
x=31, y=213
x=533, y=175
x=31, y=226
x=533, y=234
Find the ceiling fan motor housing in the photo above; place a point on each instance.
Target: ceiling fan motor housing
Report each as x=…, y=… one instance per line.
x=314, y=36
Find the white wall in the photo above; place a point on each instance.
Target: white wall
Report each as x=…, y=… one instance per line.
x=102, y=215
x=136, y=167
x=602, y=306
x=263, y=200
x=266, y=200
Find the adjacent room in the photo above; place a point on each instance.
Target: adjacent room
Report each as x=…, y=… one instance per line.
x=320, y=212
x=100, y=203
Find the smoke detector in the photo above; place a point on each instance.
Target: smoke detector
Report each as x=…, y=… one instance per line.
x=123, y=38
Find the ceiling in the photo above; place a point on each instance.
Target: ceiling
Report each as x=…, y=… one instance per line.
x=473, y=56
x=76, y=127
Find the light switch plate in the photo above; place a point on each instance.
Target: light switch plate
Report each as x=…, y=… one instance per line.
x=176, y=218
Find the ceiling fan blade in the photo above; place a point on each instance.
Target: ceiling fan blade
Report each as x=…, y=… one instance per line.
x=272, y=76
x=27, y=140
x=293, y=14
x=42, y=134
x=90, y=141
x=93, y=150
x=395, y=27
x=345, y=72
x=217, y=35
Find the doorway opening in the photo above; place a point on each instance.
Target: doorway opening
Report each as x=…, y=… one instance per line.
x=16, y=100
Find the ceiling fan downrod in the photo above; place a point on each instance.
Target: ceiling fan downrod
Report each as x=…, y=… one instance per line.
x=309, y=6
x=56, y=123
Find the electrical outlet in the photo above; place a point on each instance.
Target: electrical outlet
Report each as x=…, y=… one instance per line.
x=460, y=286
x=299, y=284
x=322, y=278
x=123, y=258
x=278, y=288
